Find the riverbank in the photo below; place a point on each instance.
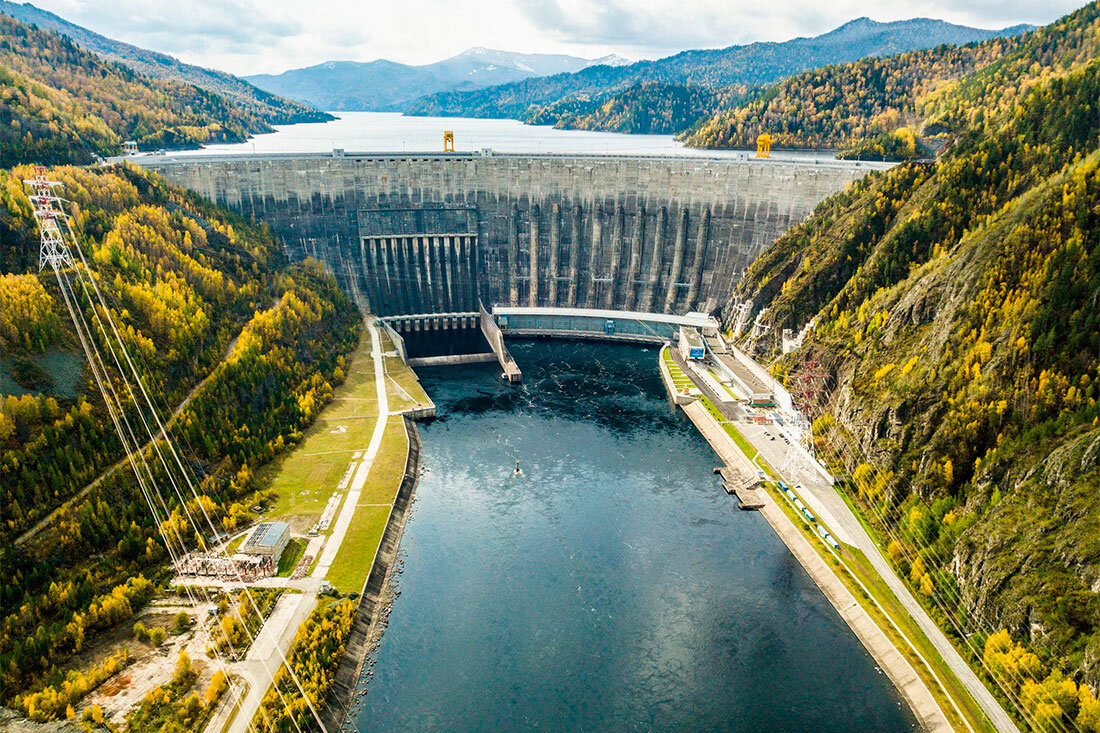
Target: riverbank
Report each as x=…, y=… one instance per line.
x=370, y=615
x=345, y=490
x=903, y=675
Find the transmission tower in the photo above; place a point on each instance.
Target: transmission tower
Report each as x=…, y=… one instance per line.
x=806, y=384
x=52, y=249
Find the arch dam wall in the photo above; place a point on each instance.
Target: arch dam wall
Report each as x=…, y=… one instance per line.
x=435, y=233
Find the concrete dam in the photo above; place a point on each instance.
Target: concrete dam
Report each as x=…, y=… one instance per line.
x=436, y=233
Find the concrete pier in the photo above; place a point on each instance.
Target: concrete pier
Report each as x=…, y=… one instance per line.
x=511, y=371
x=555, y=246
x=594, y=255
x=634, y=270
x=616, y=254
x=533, y=258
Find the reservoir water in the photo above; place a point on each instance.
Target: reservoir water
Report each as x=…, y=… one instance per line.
x=393, y=132
x=613, y=586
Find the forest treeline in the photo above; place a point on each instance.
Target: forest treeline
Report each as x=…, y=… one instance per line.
x=62, y=104
x=203, y=299
x=648, y=108
x=957, y=324
x=931, y=93
x=264, y=106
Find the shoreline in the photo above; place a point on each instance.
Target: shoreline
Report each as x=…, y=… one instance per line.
x=911, y=688
x=366, y=628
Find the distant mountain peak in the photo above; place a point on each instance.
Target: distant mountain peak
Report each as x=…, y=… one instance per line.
x=389, y=85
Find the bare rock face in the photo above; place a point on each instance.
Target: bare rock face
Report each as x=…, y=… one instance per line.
x=1033, y=563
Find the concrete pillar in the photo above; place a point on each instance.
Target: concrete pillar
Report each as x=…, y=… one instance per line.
x=574, y=257
x=415, y=286
x=533, y=257
x=395, y=278
x=635, y=267
x=677, y=260
x=513, y=256
x=616, y=256
x=462, y=275
x=594, y=254
x=657, y=259
x=377, y=280
x=420, y=248
x=422, y=260
x=470, y=262
x=552, y=265
x=362, y=274
x=702, y=236
x=447, y=252
x=439, y=294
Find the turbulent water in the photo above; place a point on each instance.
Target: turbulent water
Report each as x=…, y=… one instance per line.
x=613, y=586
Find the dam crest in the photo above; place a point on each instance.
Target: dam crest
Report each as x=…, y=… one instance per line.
x=417, y=233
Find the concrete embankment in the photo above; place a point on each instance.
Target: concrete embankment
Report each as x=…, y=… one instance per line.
x=901, y=673
x=366, y=627
x=430, y=361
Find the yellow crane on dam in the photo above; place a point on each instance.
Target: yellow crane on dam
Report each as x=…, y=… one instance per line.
x=448, y=141
x=764, y=146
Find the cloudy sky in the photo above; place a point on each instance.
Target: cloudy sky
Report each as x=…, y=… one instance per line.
x=255, y=36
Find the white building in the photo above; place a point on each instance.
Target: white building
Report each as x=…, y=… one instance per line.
x=691, y=343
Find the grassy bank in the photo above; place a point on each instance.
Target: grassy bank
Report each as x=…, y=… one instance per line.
x=304, y=479
x=353, y=562
x=853, y=569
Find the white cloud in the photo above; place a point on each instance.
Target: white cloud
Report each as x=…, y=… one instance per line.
x=253, y=36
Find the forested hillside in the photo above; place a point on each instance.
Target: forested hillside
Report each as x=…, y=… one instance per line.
x=62, y=104
x=712, y=69
x=957, y=320
x=217, y=322
x=265, y=106
x=862, y=106
x=647, y=108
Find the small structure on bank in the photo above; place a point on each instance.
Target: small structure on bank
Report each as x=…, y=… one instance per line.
x=691, y=343
x=268, y=539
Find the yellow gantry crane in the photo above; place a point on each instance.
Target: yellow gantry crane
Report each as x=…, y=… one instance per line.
x=764, y=146
x=448, y=141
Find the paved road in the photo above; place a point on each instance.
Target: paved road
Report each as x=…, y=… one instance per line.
x=896, y=666
x=796, y=468
x=272, y=644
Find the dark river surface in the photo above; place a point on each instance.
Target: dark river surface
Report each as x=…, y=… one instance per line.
x=614, y=586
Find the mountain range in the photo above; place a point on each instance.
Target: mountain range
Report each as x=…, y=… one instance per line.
x=384, y=85
x=746, y=65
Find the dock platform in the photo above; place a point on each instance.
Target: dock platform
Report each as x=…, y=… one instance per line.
x=750, y=494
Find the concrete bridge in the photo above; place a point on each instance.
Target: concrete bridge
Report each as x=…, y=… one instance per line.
x=612, y=325
x=435, y=233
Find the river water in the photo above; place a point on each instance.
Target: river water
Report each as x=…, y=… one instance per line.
x=614, y=586
x=394, y=132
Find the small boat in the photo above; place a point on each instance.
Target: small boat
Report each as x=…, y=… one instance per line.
x=517, y=471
